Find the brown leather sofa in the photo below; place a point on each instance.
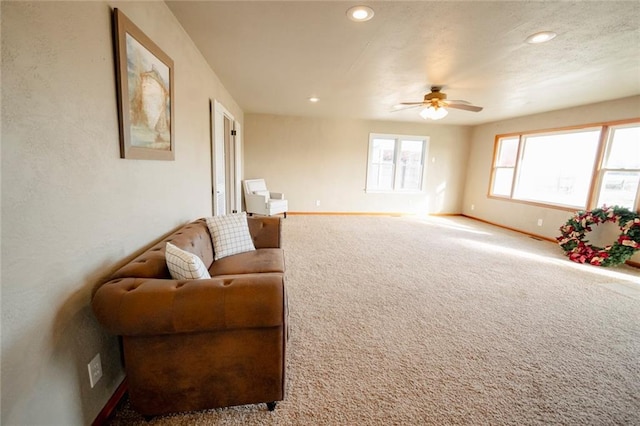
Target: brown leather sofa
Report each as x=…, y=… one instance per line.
x=198, y=344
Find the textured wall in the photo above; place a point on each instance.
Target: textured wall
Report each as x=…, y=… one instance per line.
x=523, y=216
x=72, y=210
x=313, y=159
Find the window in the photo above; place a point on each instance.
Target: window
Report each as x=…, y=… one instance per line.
x=396, y=163
x=557, y=168
x=562, y=168
x=620, y=171
x=505, y=166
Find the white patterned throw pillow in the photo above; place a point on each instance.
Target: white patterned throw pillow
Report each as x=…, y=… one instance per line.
x=184, y=265
x=230, y=234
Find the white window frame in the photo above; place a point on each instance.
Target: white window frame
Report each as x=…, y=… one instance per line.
x=603, y=169
x=370, y=188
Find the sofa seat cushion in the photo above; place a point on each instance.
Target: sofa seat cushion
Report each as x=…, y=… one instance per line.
x=278, y=204
x=251, y=262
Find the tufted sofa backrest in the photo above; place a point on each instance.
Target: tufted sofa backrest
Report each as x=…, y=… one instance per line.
x=193, y=237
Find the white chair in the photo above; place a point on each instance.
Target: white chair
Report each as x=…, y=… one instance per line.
x=259, y=200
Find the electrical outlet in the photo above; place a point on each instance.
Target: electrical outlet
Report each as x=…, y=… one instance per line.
x=539, y=222
x=473, y=206
x=95, y=370
x=318, y=203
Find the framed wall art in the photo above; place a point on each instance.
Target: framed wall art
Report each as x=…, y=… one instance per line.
x=144, y=75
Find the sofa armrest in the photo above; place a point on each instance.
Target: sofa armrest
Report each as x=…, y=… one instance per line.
x=266, y=231
x=137, y=307
x=256, y=202
x=276, y=195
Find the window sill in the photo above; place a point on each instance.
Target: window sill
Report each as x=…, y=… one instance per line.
x=537, y=203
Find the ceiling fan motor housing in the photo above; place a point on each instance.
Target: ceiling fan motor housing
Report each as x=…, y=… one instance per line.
x=435, y=94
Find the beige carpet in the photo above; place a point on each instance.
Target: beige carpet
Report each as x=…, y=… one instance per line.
x=444, y=321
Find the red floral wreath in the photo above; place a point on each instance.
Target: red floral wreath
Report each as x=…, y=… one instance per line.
x=573, y=233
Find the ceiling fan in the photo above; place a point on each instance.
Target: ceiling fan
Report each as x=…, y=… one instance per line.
x=435, y=104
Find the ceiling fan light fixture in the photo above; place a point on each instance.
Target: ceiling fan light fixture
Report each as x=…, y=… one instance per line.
x=541, y=37
x=434, y=113
x=360, y=13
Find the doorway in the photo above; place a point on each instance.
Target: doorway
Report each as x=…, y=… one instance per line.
x=225, y=161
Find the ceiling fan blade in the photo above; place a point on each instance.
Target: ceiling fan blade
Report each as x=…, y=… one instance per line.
x=437, y=100
x=407, y=106
x=465, y=107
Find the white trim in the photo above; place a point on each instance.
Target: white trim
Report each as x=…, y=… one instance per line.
x=238, y=166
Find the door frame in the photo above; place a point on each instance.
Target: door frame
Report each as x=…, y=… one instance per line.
x=218, y=158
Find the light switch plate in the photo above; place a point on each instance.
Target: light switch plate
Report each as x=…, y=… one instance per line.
x=95, y=370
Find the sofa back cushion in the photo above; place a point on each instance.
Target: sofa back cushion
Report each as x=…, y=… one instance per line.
x=193, y=237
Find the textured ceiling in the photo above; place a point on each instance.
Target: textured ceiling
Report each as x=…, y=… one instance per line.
x=273, y=56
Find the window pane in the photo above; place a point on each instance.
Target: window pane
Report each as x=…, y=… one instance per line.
x=381, y=169
x=380, y=177
x=410, y=165
x=619, y=189
x=558, y=168
x=624, y=149
x=383, y=150
x=502, y=181
x=507, y=152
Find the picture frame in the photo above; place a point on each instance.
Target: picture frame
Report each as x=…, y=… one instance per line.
x=145, y=91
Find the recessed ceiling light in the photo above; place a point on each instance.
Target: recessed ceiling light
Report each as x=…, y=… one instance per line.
x=314, y=99
x=541, y=37
x=360, y=13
